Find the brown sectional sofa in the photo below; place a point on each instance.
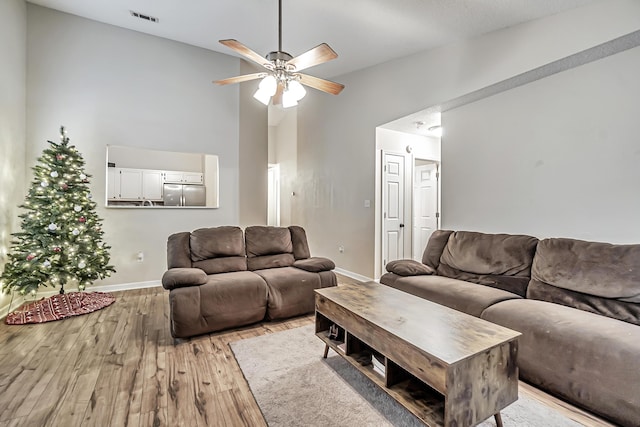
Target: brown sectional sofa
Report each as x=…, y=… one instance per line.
x=576, y=303
x=221, y=278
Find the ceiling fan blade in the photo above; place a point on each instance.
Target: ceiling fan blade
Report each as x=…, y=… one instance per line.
x=240, y=79
x=321, y=84
x=317, y=55
x=245, y=51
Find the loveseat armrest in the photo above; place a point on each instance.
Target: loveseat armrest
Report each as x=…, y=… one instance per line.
x=408, y=267
x=315, y=264
x=183, y=277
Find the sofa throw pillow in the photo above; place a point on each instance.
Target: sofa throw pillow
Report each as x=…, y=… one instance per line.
x=408, y=267
x=315, y=264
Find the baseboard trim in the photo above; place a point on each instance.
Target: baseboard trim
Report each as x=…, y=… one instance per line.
x=17, y=301
x=353, y=275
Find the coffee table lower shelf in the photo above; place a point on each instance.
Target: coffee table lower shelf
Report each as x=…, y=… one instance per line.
x=417, y=397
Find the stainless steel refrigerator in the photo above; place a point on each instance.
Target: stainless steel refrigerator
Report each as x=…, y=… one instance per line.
x=184, y=195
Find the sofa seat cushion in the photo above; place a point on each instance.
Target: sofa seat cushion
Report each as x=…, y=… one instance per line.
x=227, y=300
x=587, y=359
x=290, y=291
x=408, y=267
x=181, y=277
x=315, y=264
x=463, y=296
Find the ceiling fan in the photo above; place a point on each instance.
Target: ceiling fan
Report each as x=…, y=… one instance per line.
x=281, y=79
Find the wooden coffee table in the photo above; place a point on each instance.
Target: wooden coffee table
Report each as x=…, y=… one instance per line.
x=446, y=367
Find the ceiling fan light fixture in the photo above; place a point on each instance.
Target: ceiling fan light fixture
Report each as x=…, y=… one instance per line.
x=262, y=96
x=296, y=89
x=289, y=99
x=269, y=85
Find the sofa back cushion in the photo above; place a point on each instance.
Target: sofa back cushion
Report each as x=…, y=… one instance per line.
x=218, y=249
x=598, y=277
x=501, y=261
x=268, y=247
x=432, y=253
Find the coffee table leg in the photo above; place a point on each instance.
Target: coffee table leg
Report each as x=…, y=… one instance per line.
x=326, y=351
x=498, y=418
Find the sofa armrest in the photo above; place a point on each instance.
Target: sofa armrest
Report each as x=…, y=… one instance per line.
x=183, y=277
x=408, y=267
x=315, y=264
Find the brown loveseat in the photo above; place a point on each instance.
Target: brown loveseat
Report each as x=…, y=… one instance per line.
x=576, y=303
x=220, y=278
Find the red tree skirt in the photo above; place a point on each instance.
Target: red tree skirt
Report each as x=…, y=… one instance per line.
x=58, y=307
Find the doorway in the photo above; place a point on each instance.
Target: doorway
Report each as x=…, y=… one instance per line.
x=273, y=195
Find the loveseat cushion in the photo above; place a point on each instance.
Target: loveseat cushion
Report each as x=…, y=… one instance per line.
x=227, y=300
x=268, y=247
x=587, y=359
x=599, y=277
x=290, y=291
x=315, y=264
x=408, y=267
x=181, y=277
x=501, y=261
x=457, y=294
x=216, y=242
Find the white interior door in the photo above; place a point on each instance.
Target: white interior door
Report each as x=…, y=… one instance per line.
x=425, y=206
x=393, y=192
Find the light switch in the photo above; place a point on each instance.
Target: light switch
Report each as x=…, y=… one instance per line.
x=367, y=203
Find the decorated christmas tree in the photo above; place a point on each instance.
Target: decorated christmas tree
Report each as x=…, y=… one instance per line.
x=61, y=238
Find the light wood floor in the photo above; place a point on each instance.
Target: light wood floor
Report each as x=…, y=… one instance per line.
x=120, y=367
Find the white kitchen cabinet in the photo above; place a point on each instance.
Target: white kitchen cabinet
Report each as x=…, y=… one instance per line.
x=130, y=184
x=152, y=185
x=177, y=177
x=135, y=184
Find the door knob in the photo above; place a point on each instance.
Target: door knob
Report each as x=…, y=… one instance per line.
x=401, y=225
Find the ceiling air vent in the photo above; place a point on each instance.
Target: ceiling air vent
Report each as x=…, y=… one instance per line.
x=143, y=16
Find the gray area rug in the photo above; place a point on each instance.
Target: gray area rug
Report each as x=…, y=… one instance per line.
x=295, y=386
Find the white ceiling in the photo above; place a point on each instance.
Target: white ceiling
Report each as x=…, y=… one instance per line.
x=362, y=32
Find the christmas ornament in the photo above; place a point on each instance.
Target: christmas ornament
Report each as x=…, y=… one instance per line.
x=54, y=174
x=64, y=186
x=77, y=208
x=47, y=263
x=59, y=156
x=82, y=219
x=75, y=232
x=82, y=264
x=30, y=257
x=83, y=176
x=89, y=196
x=57, y=249
x=52, y=227
x=44, y=184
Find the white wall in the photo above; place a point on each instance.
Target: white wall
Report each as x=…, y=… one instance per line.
x=13, y=33
x=109, y=85
x=555, y=158
x=253, y=153
x=337, y=134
